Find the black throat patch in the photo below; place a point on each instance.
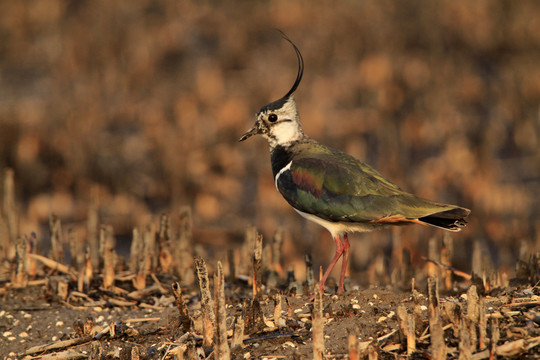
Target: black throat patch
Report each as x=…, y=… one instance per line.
x=280, y=157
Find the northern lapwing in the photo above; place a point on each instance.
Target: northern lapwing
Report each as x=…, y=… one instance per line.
x=334, y=189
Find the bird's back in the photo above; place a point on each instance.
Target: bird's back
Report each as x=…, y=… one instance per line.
x=337, y=187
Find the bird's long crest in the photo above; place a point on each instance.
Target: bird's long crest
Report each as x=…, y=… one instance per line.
x=300, y=72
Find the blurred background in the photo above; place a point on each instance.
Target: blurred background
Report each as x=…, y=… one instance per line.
x=139, y=104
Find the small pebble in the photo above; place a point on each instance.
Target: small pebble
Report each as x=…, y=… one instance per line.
x=423, y=307
x=269, y=323
x=391, y=314
x=59, y=323
x=356, y=306
x=23, y=334
x=7, y=333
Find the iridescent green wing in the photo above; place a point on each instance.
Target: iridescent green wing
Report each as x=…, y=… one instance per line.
x=338, y=187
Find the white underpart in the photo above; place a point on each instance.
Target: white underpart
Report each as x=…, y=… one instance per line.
x=338, y=228
x=285, y=168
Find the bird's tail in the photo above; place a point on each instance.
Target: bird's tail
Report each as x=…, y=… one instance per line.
x=452, y=220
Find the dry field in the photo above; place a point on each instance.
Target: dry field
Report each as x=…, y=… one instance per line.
x=119, y=159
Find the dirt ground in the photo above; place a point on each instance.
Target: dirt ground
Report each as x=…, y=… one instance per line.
x=151, y=328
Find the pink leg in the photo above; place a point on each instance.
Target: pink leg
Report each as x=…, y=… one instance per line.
x=346, y=247
x=339, y=251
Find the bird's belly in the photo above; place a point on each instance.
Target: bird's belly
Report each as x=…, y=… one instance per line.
x=336, y=228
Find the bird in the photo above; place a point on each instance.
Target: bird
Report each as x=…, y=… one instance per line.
x=334, y=189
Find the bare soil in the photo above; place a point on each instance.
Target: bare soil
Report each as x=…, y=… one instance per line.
x=151, y=327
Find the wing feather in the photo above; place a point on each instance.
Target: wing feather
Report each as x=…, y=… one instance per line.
x=338, y=187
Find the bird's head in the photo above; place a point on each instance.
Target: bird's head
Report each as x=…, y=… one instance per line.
x=279, y=121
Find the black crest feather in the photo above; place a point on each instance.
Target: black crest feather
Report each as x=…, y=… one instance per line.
x=300, y=72
x=279, y=103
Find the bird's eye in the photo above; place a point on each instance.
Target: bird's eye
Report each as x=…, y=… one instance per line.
x=272, y=117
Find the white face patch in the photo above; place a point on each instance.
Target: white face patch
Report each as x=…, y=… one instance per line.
x=286, y=132
x=287, y=128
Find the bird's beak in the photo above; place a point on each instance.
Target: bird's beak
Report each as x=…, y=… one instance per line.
x=253, y=131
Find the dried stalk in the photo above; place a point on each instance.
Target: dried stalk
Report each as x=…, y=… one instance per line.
x=454, y=271
x=277, y=310
x=434, y=254
x=185, y=319
x=318, y=325
x=20, y=275
x=76, y=249
x=146, y=257
x=149, y=249
x=53, y=265
x=247, y=249
x=136, y=250
x=9, y=208
x=238, y=337
x=473, y=314
x=164, y=242
x=310, y=276
x=86, y=273
x=109, y=256
x=373, y=354
x=406, y=270
x=92, y=228
x=465, y=348
x=447, y=253
x=55, y=228
x=509, y=349
x=257, y=267
x=408, y=328
x=437, y=346
x=58, y=345
x=31, y=264
x=254, y=317
x=183, y=251
x=352, y=339
x=207, y=304
x=222, y=351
